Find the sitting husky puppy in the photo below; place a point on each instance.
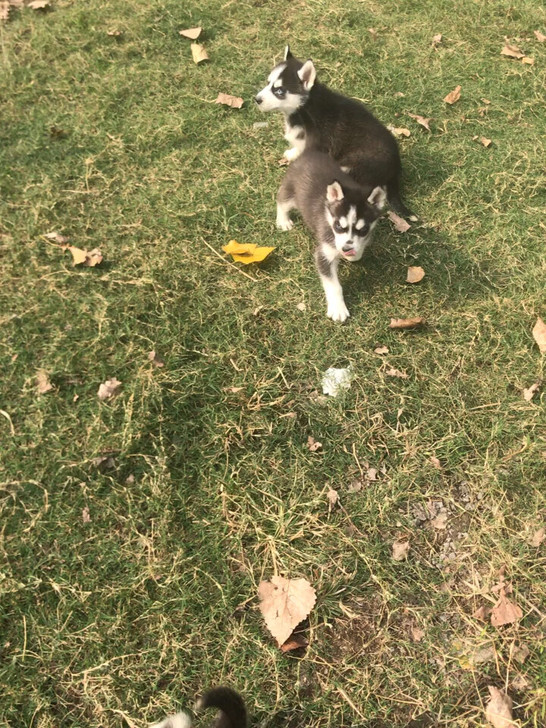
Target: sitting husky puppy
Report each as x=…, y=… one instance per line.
x=230, y=704
x=340, y=212
x=317, y=118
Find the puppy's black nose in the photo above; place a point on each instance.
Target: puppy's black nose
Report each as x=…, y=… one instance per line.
x=258, y=99
x=347, y=247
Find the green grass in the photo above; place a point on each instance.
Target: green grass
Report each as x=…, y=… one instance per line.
x=126, y=617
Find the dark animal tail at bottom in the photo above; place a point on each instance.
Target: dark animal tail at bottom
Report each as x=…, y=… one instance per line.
x=395, y=201
x=229, y=703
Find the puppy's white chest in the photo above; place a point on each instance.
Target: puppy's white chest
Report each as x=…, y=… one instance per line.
x=295, y=135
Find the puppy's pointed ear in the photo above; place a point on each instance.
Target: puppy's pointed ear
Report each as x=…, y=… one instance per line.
x=378, y=198
x=334, y=192
x=307, y=74
x=287, y=53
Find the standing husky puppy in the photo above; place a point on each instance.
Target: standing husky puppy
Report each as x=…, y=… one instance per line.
x=231, y=707
x=340, y=212
x=317, y=118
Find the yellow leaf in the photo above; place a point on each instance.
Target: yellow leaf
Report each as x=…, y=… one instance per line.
x=246, y=252
x=78, y=255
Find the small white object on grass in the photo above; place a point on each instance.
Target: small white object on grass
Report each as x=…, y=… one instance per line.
x=334, y=380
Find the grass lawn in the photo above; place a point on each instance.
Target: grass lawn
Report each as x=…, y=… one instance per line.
x=134, y=531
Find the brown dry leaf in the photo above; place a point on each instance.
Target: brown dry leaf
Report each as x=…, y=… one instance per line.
x=155, y=359
x=530, y=392
x=89, y=258
x=333, y=498
x=93, y=258
x=399, y=223
x=539, y=36
x=400, y=550
x=191, y=33
x=528, y=61
x=537, y=538
x=381, y=350
x=86, y=518
x=420, y=120
x=198, y=53
x=371, y=474
x=115, y=33
x=520, y=653
x=373, y=32
x=505, y=611
x=39, y=4
x=409, y=323
x=415, y=274
x=481, y=655
x=313, y=445
x=539, y=334
x=417, y=634
x=512, y=51
x=520, y=683
x=440, y=521
x=436, y=39
x=284, y=603
x=435, y=462
x=295, y=642
x=355, y=486
x=104, y=462
x=57, y=238
x=482, y=613
x=234, y=101
x=43, y=384
x=396, y=373
x=301, y=306
x=498, y=710
x=453, y=96
x=78, y=255
x=399, y=131
x=4, y=11
x=109, y=388
x=484, y=141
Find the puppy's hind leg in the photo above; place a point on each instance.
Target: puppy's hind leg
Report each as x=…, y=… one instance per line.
x=395, y=201
x=286, y=201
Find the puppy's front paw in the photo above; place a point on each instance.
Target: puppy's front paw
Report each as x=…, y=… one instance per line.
x=285, y=224
x=337, y=311
x=291, y=154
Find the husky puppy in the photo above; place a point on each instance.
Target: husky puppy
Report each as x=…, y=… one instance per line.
x=231, y=707
x=317, y=118
x=340, y=212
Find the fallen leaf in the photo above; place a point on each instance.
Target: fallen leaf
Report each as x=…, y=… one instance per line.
x=539, y=334
x=283, y=162
x=420, y=120
x=284, y=603
x=301, y=306
x=39, y=4
x=435, y=462
x=453, y=96
x=408, y=323
x=498, y=710
x=104, y=462
x=333, y=498
x=86, y=518
x=399, y=131
x=520, y=683
x=295, y=642
x=334, y=380
x=157, y=361
x=520, y=653
x=484, y=141
x=512, y=51
x=114, y=33
x=312, y=444
x=539, y=36
x=89, y=258
x=440, y=521
x=198, y=52
x=481, y=655
x=130, y=479
x=530, y=392
x=4, y=11
x=396, y=373
x=436, y=39
x=528, y=61
x=246, y=252
x=371, y=474
x=537, y=538
x=234, y=101
x=56, y=132
x=76, y=397
x=78, y=255
x=42, y=382
x=57, y=238
x=400, y=550
x=415, y=274
x=417, y=634
x=399, y=223
x=191, y=33
x=373, y=32
x=109, y=388
x=482, y=613
x=505, y=611
x=355, y=486
x=381, y=350
x=93, y=258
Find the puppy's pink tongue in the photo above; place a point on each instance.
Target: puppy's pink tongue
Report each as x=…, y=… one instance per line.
x=348, y=253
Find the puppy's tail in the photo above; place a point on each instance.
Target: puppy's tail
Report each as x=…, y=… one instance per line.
x=180, y=720
x=229, y=703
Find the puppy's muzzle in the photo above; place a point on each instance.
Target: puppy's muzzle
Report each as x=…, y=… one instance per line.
x=258, y=99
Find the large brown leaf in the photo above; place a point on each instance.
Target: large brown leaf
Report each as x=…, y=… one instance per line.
x=284, y=603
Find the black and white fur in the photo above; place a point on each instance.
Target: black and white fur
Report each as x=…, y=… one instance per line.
x=231, y=707
x=340, y=212
x=317, y=118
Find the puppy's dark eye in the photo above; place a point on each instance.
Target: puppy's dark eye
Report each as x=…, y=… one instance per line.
x=364, y=230
x=280, y=92
x=338, y=228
